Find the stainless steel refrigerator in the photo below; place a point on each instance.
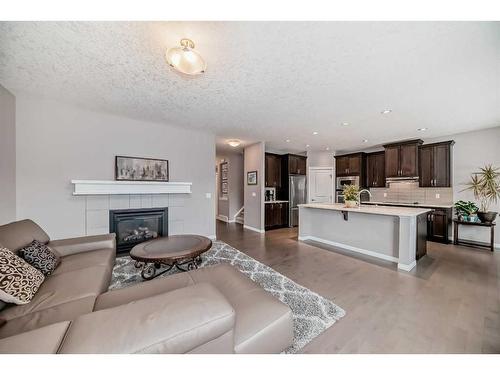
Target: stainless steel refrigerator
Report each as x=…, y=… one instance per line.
x=297, y=195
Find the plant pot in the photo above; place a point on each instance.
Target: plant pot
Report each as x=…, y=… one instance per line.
x=487, y=217
x=351, y=204
x=473, y=218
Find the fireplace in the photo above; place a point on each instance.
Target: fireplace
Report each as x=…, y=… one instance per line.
x=133, y=226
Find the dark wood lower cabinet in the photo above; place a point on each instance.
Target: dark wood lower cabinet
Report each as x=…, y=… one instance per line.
x=421, y=236
x=276, y=215
x=438, y=225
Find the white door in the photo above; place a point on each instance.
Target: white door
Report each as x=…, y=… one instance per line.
x=321, y=185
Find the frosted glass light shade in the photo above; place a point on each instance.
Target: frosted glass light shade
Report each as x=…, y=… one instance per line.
x=185, y=59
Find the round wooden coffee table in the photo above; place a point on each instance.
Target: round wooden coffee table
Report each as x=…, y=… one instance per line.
x=181, y=251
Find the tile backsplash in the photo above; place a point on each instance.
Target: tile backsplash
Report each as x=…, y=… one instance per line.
x=404, y=193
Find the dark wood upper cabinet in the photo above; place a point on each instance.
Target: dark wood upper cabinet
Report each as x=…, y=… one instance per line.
x=296, y=164
x=401, y=159
x=435, y=164
x=392, y=161
x=375, y=169
x=350, y=165
x=273, y=170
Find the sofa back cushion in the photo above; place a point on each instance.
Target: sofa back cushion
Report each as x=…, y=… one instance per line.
x=21, y=233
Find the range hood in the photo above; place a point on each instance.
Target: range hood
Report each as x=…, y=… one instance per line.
x=401, y=180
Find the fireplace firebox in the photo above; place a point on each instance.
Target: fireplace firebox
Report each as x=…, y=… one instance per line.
x=133, y=226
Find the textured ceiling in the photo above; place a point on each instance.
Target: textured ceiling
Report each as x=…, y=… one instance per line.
x=270, y=81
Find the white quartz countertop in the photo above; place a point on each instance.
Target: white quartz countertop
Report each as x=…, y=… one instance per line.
x=410, y=204
x=371, y=209
x=275, y=201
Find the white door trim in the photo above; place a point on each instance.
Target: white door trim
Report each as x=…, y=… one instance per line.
x=309, y=175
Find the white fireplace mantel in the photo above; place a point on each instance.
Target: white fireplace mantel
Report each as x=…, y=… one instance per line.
x=99, y=187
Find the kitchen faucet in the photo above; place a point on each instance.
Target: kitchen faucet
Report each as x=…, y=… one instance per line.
x=359, y=196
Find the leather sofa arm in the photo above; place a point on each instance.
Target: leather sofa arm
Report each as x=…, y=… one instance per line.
x=70, y=246
x=194, y=317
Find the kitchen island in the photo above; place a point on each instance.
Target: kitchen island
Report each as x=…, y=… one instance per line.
x=396, y=234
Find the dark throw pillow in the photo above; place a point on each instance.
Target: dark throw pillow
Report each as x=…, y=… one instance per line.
x=19, y=281
x=40, y=256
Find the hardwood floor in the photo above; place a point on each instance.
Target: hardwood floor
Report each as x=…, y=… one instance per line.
x=449, y=304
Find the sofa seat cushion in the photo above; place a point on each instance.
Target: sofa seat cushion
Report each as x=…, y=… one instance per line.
x=44, y=340
x=173, y=322
x=103, y=257
x=63, y=288
x=65, y=311
x=19, y=281
x=263, y=323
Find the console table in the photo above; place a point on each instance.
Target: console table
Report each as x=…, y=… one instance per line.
x=457, y=241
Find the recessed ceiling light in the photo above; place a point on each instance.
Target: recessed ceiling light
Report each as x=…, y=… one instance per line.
x=422, y=129
x=315, y=133
x=365, y=140
x=287, y=141
x=386, y=111
x=233, y=142
x=345, y=123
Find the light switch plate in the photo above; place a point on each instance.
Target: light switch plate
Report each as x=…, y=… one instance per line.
x=438, y=196
x=385, y=195
x=208, y=195
x=253, y=194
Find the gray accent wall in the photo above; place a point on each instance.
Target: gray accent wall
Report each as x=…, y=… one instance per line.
x=7, y=156
x=254, y=160
x=57, y=143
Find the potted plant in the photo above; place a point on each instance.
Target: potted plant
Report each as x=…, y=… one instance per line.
x=351, y=195
x=466, y=211
x=485, y=185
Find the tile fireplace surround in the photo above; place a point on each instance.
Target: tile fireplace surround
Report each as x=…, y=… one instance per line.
x=97, y=209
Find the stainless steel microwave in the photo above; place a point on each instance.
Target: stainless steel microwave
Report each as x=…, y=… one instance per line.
x=347, y=180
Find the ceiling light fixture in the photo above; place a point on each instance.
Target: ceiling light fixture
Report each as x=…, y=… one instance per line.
x=386, y=111
x=287, y=141
x=233, y=142
x=365, y=140
x=315, y=133
x=185, y=59
x=307, y=145
x=345, y=124
x=422, y=129
x=328, y=149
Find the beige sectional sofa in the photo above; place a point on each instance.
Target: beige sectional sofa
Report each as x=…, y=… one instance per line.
x=209, y=310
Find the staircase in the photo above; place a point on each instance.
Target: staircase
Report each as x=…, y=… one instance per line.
x=240, y=216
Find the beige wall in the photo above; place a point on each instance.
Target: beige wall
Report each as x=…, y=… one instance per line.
x=57, y=143
x=320, y=159
x=254, y=194
x=234, y=201
x=471, y=151
x=7, y=156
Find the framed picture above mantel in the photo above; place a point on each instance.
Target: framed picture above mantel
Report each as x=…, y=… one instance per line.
x=128, y=168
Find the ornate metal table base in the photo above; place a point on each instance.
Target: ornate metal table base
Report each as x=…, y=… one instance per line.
x=150, y=270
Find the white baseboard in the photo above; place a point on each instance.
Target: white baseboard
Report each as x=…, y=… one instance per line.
x=213, y=237
x=407, y=267
x=254, y=229
x=358, y=250
x=224, y=218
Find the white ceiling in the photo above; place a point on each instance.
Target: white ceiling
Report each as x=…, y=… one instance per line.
x=270, y=81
